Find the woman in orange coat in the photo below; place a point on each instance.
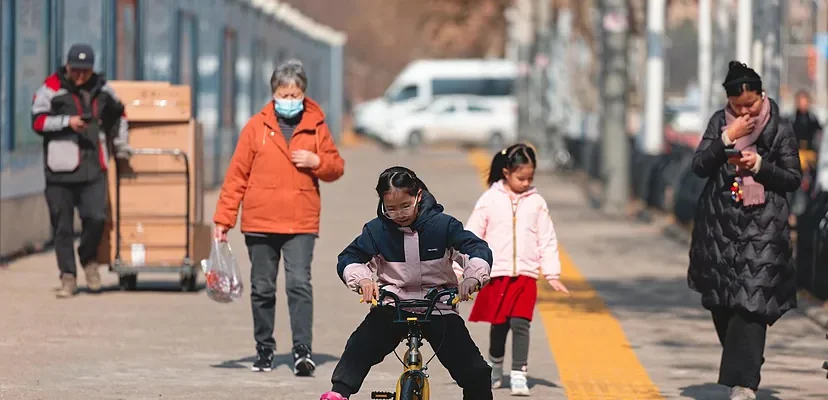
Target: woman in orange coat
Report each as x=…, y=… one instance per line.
x=282, y=153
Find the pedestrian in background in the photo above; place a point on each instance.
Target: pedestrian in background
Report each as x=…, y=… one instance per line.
x=79, y=117
x=741, y=253
x=274, y=174
x=513, y=218
x=808, y=132
x=806, y=125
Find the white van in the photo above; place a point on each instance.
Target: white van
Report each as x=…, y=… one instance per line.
x=419, y=83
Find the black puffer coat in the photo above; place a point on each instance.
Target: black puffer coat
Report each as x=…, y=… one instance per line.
x=740, y=257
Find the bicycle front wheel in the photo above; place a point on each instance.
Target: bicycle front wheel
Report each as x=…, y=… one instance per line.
x=410, y=389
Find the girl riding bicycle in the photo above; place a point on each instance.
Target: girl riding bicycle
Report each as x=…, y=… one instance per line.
x=411, y=246
x=514, y=220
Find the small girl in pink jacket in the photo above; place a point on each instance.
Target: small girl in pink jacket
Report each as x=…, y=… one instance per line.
x=514, y=219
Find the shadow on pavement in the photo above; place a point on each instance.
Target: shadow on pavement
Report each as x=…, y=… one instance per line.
x=535, y=382
x=145, y=286
x=278, y=360
x=707, y=391
x=150, y=286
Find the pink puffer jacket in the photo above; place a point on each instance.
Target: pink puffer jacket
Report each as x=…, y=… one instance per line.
x=519, y=231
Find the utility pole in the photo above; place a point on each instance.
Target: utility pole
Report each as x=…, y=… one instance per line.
x=772, y=12
x=545, y=153
x=705, y=56
x=723, y=53
x=523, y=38
x=822, y=46
x=653, y=143
x=559, y=93
x=744, y=32
x=511, y=48
x=614, y=142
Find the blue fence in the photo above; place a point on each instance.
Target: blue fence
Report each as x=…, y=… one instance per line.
x=225, y=49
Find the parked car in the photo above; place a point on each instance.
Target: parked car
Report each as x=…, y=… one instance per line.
x=684, y=119
x=422, y=81
x=468, y=120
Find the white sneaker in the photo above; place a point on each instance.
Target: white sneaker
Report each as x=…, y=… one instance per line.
x=518, y=383
x=742, y=393
x=497, y=374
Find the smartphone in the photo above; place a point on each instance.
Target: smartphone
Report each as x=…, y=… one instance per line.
x=733, y=153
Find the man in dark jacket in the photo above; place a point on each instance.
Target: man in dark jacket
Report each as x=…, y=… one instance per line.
x=79, y=117
x=808, y=132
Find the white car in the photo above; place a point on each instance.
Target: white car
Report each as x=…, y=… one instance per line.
x=469, y=120
x=423, y=81
x=684, y=119
x=366, y=120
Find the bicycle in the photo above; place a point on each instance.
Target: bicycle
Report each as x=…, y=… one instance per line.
x=413, y=382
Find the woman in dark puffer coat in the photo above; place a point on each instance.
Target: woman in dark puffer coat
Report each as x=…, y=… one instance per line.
x=740, y=254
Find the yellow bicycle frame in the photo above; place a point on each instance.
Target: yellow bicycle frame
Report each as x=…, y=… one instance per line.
x=417, y=366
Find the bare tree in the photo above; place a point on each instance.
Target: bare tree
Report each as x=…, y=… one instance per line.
x=385, y=35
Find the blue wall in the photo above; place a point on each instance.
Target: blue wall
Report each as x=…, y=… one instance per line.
x=181, y=41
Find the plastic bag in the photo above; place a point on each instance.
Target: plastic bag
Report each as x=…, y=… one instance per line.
x=221, y=271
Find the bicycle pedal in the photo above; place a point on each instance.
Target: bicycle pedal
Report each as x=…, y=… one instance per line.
x=383, y=395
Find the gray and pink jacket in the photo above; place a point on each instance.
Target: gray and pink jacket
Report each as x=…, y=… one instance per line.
x=410, y=261
x=75, y=157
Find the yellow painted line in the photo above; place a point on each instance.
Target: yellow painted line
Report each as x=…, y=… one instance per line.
x=594, y=358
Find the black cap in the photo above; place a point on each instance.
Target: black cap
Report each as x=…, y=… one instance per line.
x=81, y=56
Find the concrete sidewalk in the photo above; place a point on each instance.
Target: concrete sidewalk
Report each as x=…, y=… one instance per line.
x=161, y=343
x=641, y=275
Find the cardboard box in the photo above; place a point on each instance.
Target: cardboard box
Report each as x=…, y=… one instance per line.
x=156, y=243
x=154, y=101
x=144, y=196
x=153, y=187
x=141, y=167
x=147, y=195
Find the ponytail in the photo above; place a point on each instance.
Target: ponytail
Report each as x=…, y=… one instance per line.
x=496, y=169
x=510, y=159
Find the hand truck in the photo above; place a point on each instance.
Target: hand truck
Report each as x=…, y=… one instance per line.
x=128, y=273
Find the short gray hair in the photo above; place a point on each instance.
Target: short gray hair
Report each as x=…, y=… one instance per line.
x=290, y=72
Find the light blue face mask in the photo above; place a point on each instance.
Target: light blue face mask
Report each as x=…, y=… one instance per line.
x=289, y=108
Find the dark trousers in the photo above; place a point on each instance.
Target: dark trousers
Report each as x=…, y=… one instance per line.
x=265, y=252
x=520, y=342
x=743, y=346
x=90, y=199
x=378, y=335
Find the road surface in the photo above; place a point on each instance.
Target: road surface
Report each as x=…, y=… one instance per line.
x=630, y=330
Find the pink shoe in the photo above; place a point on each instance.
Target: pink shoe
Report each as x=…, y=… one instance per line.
x=332, y=396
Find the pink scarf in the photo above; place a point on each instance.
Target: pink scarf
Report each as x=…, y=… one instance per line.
x=753, y=193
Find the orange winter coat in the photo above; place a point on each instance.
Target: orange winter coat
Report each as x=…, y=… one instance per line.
x=275, y=195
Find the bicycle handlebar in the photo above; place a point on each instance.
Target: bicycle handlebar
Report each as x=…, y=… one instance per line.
x=429, y=302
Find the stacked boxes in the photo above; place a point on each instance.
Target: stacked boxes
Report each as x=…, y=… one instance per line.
x=153, y=188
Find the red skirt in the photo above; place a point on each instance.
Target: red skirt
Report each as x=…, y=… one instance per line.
x=505, y=297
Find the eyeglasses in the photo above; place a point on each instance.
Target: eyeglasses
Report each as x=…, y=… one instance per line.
x=401, y=213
